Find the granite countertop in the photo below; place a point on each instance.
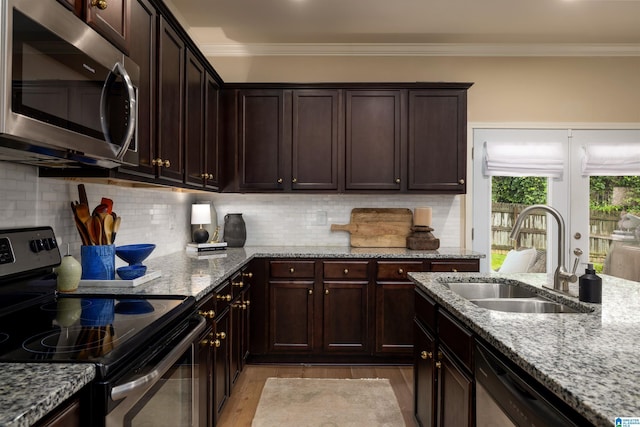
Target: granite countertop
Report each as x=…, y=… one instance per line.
x=192, y=275
x=589, y=360
x=29, y=391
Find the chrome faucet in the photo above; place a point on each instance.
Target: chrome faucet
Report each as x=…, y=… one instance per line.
x=561, y=276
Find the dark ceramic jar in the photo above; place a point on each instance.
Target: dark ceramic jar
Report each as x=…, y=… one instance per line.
x=235, y=231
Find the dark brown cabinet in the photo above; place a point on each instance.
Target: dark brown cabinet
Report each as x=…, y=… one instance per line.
x=110, y=18
x=195, y=78
x=443, y=366
x=316, y=156
x=171, y=60
x=373, y=139
x=66, y=415
x=437, y=141
x=455, y=266
x=346, y=301
x=291, y=306
x=211, y=169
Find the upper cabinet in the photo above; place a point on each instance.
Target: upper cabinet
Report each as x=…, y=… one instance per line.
x=408, y=138
x=109, y=17
x=373, y=139
x=437, y=148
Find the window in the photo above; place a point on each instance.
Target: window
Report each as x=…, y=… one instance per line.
x=594, y=162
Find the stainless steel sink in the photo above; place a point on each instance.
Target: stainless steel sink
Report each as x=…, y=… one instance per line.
x=510, y=297
x=526, y=305
x=480, y=290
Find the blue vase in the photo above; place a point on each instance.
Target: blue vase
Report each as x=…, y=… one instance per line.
x=98, y=262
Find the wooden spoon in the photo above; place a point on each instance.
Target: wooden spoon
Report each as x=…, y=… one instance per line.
x=116, y=227
x=82, y=212
x=82, y=229
x=82, y=193
x=107, y=230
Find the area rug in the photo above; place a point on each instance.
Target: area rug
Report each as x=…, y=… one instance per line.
x=315, y=402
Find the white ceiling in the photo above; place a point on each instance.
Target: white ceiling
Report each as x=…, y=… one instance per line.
x=600, y=26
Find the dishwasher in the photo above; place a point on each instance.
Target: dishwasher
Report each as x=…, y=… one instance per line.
x=507, y=396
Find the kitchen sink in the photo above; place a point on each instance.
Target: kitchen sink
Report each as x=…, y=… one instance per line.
x=481, y=290
x=510, y=297
x=523, y=305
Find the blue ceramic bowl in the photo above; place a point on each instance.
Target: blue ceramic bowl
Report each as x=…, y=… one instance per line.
x=135, y=254
x=131, y=272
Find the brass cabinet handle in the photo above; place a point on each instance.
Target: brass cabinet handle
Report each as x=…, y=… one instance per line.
x=221, y=335
x=280, y=180
x=426, y=355
x=249, y=275
x=206, y=175
x=100, y=4
x=310, y=291
x=400, y=271
x=238, y=284
x=326, y=291
x=294, y=180
x=216, y=343
x=292, y=270
x=247, y=303
x=438, y=365
x=397, y=180
x=461, y=181
x=167, y=164
x=241, y=306
x=455, y=270
x=156, y=162
x=210, y=176
x=224, y=297
x=207, y=314
x=346, y=271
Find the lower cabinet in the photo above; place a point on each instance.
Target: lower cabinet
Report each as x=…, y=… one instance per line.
x=66, y=415
x=443, y=366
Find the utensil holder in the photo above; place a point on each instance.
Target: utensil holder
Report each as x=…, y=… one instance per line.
x=98, y=262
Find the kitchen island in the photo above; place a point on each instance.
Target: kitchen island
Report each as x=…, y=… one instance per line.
x=589, y=360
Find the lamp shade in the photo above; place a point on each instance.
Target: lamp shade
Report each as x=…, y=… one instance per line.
x=201, y=214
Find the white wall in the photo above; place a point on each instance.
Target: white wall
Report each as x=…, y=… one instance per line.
x=162, y=216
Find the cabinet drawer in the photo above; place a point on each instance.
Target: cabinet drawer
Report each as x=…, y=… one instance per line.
x=455, y=266
x=391, y=270
x=345, y=269
x=425, y=310
x=456, y=337
x=288, y=269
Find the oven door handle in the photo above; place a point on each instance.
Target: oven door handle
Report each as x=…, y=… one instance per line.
x=124, y=390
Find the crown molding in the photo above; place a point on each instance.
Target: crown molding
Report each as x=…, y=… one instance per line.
x=418, y=49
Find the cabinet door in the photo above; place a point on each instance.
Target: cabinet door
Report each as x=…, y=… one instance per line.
x=111, y=19
x=221, y=377
x=455, y=266
x=316, y=162
x=205, y=366
x=373, y=140
x=291, y=316
x=143, y=52
x=394, y=317
x=211, y=147
x=455, y=390
x=170, y=161
x=345, y=317
x=437, y=141
x=261, y=145
x=194, y=121
x=424, y=377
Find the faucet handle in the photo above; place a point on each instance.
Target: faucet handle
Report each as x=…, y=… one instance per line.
x=578, y=253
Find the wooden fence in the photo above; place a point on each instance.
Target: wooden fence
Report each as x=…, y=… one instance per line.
x=534, y=230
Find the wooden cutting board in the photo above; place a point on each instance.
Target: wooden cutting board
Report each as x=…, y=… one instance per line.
x=378, y=227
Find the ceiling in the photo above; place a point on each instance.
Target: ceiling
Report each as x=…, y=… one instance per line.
x=361, y=26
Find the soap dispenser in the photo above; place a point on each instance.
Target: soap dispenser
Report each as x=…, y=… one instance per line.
x=590, y=286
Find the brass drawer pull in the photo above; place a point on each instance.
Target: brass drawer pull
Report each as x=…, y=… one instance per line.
x=310, y=291
x=207, y=314
x=248, y=275
x=400, y=271
x=224, y=297
x=292, y=270
x=426, y=355
x=346, y=271
x=238, y=284
x=221, y=335
x=100, y=4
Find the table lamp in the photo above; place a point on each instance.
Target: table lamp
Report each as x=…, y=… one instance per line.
x=200, y=215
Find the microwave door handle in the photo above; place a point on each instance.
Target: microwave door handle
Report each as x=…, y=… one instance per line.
x=118, y=69
x=126, y=389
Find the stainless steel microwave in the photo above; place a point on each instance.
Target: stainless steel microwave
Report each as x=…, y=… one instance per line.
x=67, y=96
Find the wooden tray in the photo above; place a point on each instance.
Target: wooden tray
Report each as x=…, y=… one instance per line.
x=378, y=227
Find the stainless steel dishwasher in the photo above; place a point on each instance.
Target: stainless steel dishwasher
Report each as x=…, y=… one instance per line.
x=507, y=396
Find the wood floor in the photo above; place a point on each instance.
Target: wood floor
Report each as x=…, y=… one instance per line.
x=241, y=407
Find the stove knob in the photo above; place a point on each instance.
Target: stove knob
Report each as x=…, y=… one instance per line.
x=36, y=245
x=52, y=243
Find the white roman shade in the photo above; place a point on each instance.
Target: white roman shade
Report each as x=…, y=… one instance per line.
x=523, y=159
x=611, y=159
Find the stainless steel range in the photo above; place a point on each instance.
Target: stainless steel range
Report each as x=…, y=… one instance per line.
x=141, y=346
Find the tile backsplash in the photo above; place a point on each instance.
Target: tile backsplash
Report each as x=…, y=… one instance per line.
x=162, y=216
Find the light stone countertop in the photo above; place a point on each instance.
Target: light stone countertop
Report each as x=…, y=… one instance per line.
x=589, y=360
x=30, y=391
